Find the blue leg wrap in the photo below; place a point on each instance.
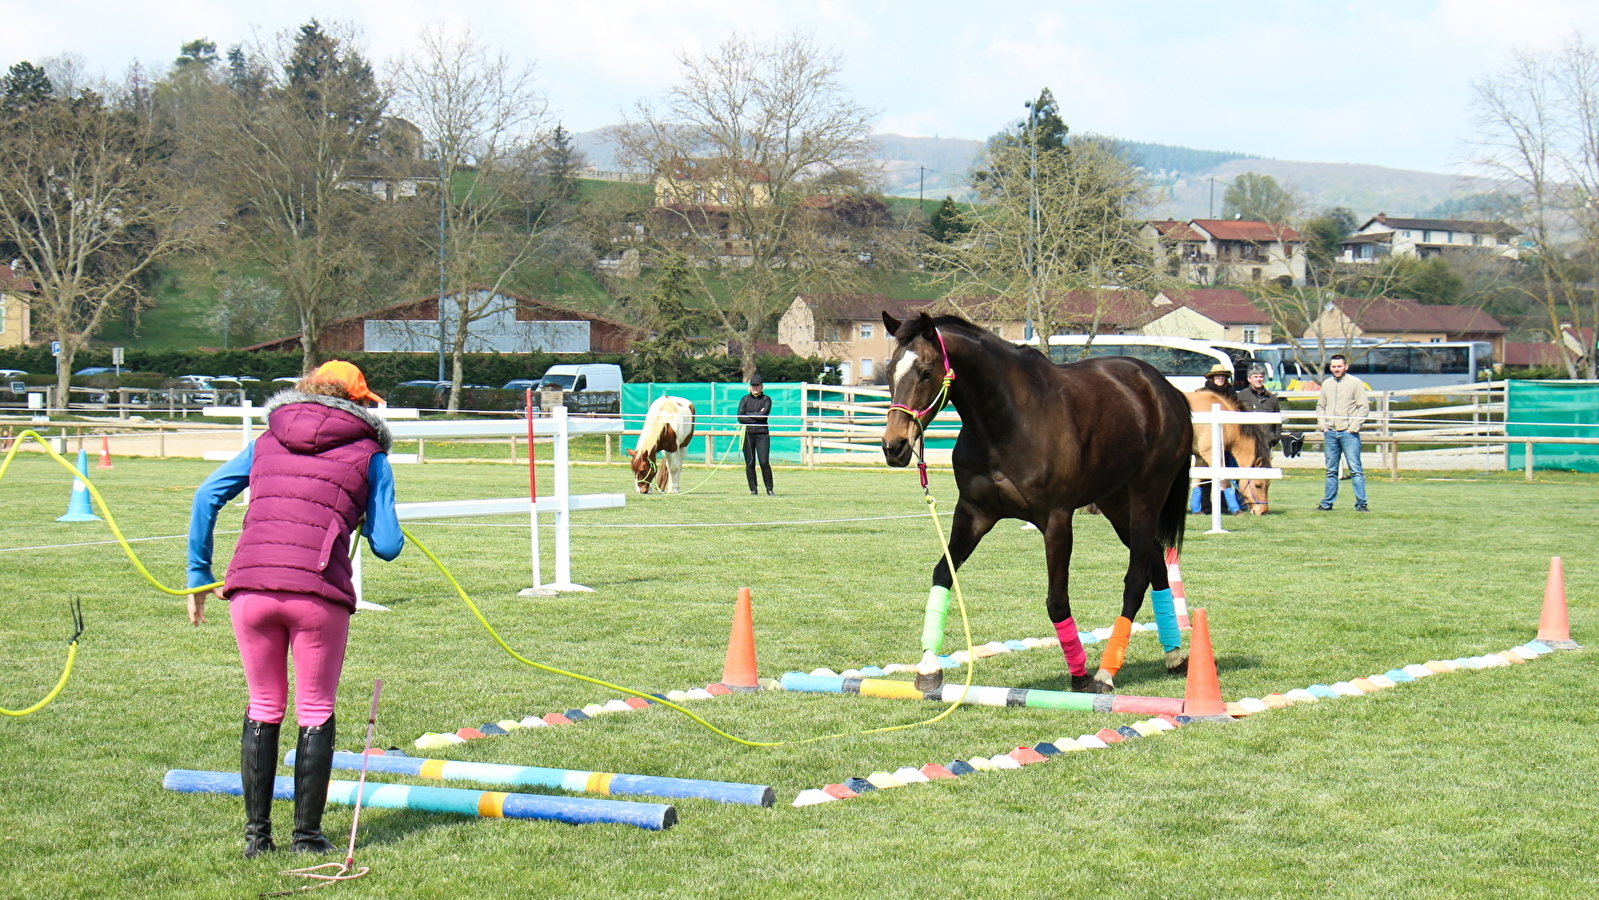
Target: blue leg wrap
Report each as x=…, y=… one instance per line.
x=1166, y=619
x=1229, y=496
x=1195, y=501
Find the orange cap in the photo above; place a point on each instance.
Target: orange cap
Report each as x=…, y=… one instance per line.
x=349, y=375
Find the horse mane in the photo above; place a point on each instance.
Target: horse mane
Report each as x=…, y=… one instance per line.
x=650, y=435
x=910, y=328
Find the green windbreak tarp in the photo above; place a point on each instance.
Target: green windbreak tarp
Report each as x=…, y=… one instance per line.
x=1553, y=409
x=716, y=409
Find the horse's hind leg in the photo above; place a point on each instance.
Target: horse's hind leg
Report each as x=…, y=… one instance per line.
x=967, y=529
x=1135, y=515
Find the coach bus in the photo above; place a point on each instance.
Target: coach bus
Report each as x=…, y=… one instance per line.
x=1183, y=361
x=1389, y=365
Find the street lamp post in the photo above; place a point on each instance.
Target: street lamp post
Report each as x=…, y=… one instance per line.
x=443, y=220
x=1034, y=306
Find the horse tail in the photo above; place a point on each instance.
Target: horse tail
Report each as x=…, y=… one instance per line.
x=1174, y=512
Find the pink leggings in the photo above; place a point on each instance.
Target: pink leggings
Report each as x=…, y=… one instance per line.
x=267, y=625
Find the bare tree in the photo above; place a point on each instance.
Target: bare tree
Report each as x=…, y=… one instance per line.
x=90, y=204
x=757, y=155
x=294, y=149
x=480, y=114
x=1537, y=135
x=1054, y=236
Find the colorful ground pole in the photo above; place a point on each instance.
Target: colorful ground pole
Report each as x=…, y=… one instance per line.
x=488, y=804
x=985, y=696
x=606, y=783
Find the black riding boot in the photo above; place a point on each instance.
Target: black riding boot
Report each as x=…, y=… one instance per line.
x=313, y=764
x=258, y=769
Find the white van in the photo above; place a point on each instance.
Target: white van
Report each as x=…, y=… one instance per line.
x=594, y=388
x=588, y=377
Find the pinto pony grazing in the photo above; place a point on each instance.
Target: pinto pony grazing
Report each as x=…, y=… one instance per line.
x=1038, y=441
x=668, y=427
x=1250, y=446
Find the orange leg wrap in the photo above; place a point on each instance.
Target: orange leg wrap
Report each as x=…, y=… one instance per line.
x=1116, y=648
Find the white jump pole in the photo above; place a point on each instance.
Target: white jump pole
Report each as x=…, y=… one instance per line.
x=537, y=590
x=1218, y=459
x=563, y=515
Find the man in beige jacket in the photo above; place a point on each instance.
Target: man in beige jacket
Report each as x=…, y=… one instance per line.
x=1341, y=408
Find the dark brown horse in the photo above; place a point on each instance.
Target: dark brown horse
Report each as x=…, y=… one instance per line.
x=1038, y=441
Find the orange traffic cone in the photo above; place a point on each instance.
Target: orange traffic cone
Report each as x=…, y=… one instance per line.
x=105, y=452
x=1174, y=580
x=1554, y=631
x=738, y=672
x=1202, y=700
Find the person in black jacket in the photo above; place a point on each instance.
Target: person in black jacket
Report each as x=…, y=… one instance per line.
x=753, y=411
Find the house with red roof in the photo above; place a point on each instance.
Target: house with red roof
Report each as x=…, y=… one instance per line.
x=1383, y=318
x=1220, y=252
x=1382, y=237
x=16, y=314
x=1209, y=314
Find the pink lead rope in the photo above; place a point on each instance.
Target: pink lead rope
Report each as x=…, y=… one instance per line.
x=344, y=872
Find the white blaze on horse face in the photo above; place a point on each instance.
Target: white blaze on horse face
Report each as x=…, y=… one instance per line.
x=904, y=369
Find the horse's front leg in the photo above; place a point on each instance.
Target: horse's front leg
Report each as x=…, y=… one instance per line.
x=1058, y=604
x=965, y=532
x=674, y=468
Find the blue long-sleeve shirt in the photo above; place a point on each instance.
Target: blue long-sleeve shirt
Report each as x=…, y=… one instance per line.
x=381, y=527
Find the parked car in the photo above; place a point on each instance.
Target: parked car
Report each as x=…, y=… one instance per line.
x=94, y=370
x=8, y=374
x=521, y=384
x=428, y=383
x=286, y=379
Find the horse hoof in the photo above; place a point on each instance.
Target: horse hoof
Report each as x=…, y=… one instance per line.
x=930, y=682
x=1177, y=662
x=1088, y=684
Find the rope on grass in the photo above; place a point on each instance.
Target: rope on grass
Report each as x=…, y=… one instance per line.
x=66, y=671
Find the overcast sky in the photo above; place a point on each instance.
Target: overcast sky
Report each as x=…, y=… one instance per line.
x=1371, y=81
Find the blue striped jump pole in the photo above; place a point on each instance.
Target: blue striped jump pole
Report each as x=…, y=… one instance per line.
x=606, y=783
x=487, y=804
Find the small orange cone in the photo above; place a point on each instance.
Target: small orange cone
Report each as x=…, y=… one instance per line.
x=105, y=452
x=1202, y=700
x=1553, y=628
x=738, y=672
x=1174, y=579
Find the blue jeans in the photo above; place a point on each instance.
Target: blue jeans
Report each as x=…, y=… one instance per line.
x=1345, y=445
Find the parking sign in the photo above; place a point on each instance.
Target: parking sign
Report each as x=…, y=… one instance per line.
x=55, y=348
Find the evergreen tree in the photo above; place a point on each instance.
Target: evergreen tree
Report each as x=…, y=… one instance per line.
x=246, y=75
x=947, y=223
x=200, y=53
x=559, y=161
x=664, y=356
x=1045, y=119
x=328, y=78
x=25, y=86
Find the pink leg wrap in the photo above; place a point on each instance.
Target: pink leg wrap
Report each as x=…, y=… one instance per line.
x=1072, y=646
x=268, y=626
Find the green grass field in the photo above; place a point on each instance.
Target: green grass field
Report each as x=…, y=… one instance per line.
x=1470, y=784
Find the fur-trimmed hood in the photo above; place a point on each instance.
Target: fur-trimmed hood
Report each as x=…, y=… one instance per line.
x=310, y=434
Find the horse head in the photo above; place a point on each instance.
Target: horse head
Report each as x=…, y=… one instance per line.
x=644, y=466
x=919, y=376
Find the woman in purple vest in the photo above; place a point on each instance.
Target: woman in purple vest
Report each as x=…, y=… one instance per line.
x=321, y=466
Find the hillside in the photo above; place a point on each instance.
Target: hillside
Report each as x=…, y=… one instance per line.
x=938, y=166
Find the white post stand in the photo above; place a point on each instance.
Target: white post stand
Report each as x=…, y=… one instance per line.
x=1218, y=457
x=537, y=589
x=1218, y=468
x=563, y=514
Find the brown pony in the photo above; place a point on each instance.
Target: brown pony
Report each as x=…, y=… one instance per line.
x=667, y=429
x=1037, y=442
x=1250, y=446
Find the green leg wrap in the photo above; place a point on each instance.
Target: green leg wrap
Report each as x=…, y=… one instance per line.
x=933, y=624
